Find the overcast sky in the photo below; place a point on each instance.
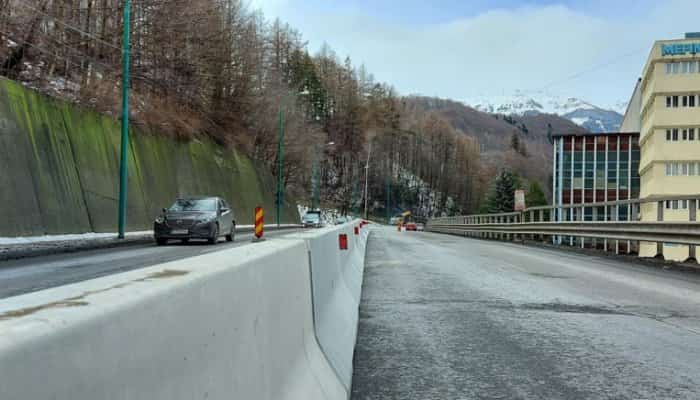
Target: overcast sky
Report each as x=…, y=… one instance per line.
x=462, y=49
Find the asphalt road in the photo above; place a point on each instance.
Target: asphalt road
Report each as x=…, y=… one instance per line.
x=444, y=317
x=38, y=273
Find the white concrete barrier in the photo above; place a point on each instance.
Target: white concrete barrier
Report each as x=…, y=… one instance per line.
x=337, y=286
x=235, y=324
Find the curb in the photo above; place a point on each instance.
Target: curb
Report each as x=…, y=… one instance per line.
x=17, y=252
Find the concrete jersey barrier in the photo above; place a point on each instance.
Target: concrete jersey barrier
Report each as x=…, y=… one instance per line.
x=244, y=323
x=337, y=286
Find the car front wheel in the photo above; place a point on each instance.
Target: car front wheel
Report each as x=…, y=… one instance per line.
x=232, y=235
x=161, y=241
x=215, y=235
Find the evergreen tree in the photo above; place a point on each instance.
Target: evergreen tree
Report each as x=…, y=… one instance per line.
x=535, y=195
x=501, y=195
x=515, y=142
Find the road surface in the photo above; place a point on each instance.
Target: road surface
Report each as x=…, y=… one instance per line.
x=33, y=274
x=444, y=317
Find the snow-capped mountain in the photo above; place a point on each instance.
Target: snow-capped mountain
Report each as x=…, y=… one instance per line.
x=583, y=113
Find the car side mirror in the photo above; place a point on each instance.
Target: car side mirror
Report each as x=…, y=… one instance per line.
x=165, y=211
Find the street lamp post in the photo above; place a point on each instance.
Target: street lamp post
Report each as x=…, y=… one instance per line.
x=369, y=154
x=123, y=172
x=388, y=199
x=315, y=204
x=280, y=158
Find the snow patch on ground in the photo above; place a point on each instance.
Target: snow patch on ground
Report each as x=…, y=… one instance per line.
x=67, y=238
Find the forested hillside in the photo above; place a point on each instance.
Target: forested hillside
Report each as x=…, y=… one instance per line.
x=219, y=69
x=516, y=143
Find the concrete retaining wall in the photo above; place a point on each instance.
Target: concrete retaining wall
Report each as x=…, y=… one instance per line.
x=59, y=170
x=244, y=323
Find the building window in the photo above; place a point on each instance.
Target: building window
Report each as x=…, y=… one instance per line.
x=668, y=102
x=675, y=101
x=691, y=101
x=693, y=68
x=691, y=169
x=685, y=66
x=675, y=67
x=685, y=134
x=684, y=168
x=691, y=134
x=668, y=169
x=675, y=135
x=668, y=135
x=675, y=204
x=685, y=101
x=669, y=68
x=684, y=204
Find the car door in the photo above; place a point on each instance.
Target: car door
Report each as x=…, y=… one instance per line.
x=225, y=217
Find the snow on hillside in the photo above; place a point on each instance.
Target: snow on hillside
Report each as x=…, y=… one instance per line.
x=581, y=112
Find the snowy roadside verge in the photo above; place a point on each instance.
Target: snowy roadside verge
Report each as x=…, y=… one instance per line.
x=36, y=246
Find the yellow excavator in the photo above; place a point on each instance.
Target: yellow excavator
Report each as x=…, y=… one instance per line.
x=406, y=222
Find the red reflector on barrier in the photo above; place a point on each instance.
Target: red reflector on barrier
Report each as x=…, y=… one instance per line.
x=343, y=241
x=357, y=230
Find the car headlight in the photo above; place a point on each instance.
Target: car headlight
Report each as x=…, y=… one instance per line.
x=160, y=219
x=204, y=221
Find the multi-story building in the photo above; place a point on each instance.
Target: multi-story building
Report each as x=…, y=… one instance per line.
x=665, y=109
x=595, y=168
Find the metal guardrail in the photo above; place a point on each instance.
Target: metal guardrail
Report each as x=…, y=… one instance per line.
x=687, y=233
x=583, y=221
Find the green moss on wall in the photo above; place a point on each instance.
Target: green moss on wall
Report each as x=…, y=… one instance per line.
x=59, y=168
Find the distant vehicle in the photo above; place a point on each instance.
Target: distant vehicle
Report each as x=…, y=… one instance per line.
x=407, y=222
x=342, y=220
x=207, y=218
x=312, y=219
x=420, y=227
x=394, y=220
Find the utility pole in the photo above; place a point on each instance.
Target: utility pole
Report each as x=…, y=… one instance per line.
x=314, y=203
x=280, y=155
x=388, y=199
x=369, y=154
x=123, y=172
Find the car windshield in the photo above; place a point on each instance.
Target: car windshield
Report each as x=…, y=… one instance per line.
x=311, y=217
x=194, y=205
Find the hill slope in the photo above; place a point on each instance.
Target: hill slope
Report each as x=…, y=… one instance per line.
x=495, y=134
x=60, y=166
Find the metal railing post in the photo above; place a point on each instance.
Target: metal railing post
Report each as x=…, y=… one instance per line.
x=582, y=218
x=659, y=217
x=692, y=217
x=541, y=219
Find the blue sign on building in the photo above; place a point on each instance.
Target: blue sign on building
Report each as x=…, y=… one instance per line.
x=679, y=49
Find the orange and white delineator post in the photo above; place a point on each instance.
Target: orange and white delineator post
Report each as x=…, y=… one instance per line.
x=259, y=222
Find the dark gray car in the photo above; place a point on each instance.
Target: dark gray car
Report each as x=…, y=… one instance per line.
x=188, y=218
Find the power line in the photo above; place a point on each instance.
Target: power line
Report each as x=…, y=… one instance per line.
x=69, y=26
x=89, y=35
x=591, y=69
x=42, y=50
